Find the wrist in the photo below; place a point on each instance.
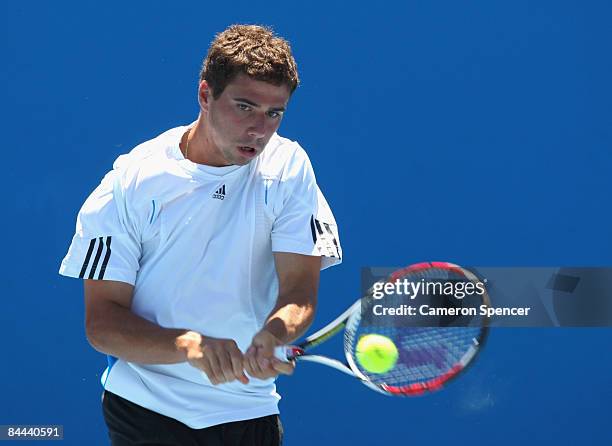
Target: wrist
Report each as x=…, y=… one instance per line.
x=278, y=329
x=189, y=345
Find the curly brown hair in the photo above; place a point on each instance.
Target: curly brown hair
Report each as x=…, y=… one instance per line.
x=252, y=50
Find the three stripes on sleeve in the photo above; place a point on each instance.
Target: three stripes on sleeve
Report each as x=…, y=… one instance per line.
x=101, y=245
x=324, y=238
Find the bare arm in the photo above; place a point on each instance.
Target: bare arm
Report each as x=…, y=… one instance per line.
x=298, y=283
x=298, y=278
x=113, y=328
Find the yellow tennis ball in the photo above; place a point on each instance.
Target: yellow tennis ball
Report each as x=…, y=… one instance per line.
x=376, y=353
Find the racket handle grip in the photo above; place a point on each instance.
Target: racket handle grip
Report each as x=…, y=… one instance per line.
x=283, y=353
x=288, y=353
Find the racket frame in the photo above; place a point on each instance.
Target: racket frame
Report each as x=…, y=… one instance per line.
x=349, y=320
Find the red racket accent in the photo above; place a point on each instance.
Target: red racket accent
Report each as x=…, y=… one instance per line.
x=297, y=351
x=420, y=388
x=425, y=265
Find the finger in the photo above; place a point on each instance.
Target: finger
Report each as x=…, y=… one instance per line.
x=264, y=364
x=285, y=368
x=236, y=360
x=254, y=366
x=265, y=354
x=204, y=365
x=226, y=366
x=246, y=361
x=217, y=373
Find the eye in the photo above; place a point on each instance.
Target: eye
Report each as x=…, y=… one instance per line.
x=243, y=107
x=274, y=114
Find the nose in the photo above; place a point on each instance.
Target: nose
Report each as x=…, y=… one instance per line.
x=257, y=129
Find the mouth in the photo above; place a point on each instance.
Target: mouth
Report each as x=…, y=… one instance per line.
x=247, y=151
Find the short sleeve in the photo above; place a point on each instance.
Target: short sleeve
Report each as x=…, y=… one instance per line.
x=305, y=223
x=105, y=246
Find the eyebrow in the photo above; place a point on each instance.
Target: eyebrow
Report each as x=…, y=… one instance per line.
x=249, y=102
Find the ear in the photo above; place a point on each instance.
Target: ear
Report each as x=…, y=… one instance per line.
x=204, y=95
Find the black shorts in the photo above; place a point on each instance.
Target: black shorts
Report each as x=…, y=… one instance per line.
x=129, y=425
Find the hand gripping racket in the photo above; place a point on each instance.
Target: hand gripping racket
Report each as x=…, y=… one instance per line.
x=429, y=355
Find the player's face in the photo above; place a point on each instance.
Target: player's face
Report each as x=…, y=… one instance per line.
x=243, y=118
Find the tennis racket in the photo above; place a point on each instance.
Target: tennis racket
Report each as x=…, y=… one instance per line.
x=428, y=356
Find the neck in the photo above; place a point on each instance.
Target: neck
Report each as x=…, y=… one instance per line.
x=198, y=146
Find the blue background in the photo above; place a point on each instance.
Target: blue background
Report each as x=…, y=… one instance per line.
x=476, y=132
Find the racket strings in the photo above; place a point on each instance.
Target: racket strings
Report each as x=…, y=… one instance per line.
x=423, y=353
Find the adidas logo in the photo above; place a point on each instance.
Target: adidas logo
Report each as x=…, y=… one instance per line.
x=220, y=193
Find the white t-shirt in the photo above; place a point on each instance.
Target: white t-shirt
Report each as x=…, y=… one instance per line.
x=197, y=242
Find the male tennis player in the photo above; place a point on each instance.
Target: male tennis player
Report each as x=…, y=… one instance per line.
x=201, y=252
